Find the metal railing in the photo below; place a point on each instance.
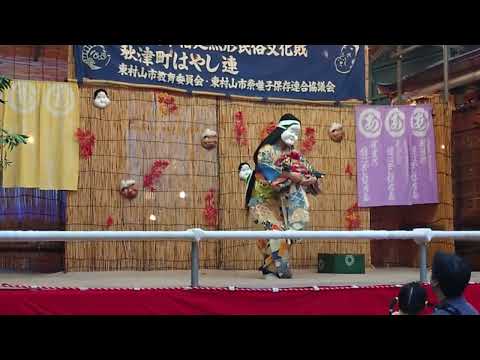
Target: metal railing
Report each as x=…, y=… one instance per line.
x=421, y=236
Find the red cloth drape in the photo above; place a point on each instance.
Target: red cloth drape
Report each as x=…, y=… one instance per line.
x=372, y=300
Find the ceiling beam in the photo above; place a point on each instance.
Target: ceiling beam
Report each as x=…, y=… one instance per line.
x=405, y=51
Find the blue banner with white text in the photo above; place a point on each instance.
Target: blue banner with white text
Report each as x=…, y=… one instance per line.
x=300, y=72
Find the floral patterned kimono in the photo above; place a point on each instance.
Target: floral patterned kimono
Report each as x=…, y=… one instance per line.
x=276, y=204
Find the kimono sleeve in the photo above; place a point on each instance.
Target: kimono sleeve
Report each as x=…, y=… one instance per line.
x=265, y=164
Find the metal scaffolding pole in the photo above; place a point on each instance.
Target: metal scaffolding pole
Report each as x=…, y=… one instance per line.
x=195, y=255
x=405, y=51
x=445, y=73
x=421, y=236
x=399, y=72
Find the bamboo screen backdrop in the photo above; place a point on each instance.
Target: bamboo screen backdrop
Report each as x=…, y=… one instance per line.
x=131, y=134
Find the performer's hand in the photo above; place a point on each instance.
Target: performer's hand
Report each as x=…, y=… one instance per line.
x=296, y=177
x=308, y=180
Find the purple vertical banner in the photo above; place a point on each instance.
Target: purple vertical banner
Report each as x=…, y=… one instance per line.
x=395, y=144
x=396, y=162
x=423, y=166
x=371, y=172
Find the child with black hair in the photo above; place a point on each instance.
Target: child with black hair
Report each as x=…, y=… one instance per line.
x=411, y=300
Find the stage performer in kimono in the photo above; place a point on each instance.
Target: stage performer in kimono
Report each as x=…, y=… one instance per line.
x=276, y=193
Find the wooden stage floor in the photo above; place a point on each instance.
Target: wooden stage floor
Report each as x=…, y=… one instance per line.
x=212, y=278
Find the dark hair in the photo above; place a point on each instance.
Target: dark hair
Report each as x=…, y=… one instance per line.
x=452, y=274
x=243, y=163
x=412, y=298
x=271, y=139
x=97, y=91
x=288, y=117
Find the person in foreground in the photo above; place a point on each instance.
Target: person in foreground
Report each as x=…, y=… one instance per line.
x=411, y=300
x=450, y=277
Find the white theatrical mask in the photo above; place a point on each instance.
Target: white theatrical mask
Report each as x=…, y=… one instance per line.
x=245, y=172
x=101, y=100
x=291, y=135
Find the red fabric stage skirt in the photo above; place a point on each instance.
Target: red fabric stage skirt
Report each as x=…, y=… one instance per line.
x=346, y=300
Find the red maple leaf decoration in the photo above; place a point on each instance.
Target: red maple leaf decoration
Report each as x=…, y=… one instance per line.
x=156, y=171
x=210, y=211
x=348, y=170
x=240, y=128
x=307, y=144
x=267, y=130
x=167, y=102
x=353, y=217
x=86, y=139
x=109, y=221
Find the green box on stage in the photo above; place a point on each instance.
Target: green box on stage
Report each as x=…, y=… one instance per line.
x=341, y=263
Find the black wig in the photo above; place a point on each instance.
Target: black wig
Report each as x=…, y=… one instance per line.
x=241, y=164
